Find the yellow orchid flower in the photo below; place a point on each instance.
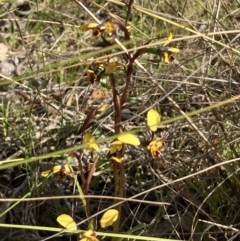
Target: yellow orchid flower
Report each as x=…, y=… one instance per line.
x=154, y=146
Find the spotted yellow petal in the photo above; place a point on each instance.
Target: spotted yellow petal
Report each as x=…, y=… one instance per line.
x=109, y=28
x=154, y=146
x=166, y=58
x=92, y=76
x=89, y=235
x=68, y=171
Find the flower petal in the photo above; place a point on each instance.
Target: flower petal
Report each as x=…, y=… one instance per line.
x=129, y=138
x=109, y=28
x=154, y=146
x=89, y=139
x=169, y=39
x=92, y=76
x=88, y=26
x=67, y=222
x=46, y=173
x=153, y=119
x=174, y=50
x=56, y=168
x=115, y=146
x=166, y=57
x=108, y=218
x=94, y=146
x=117, y=159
